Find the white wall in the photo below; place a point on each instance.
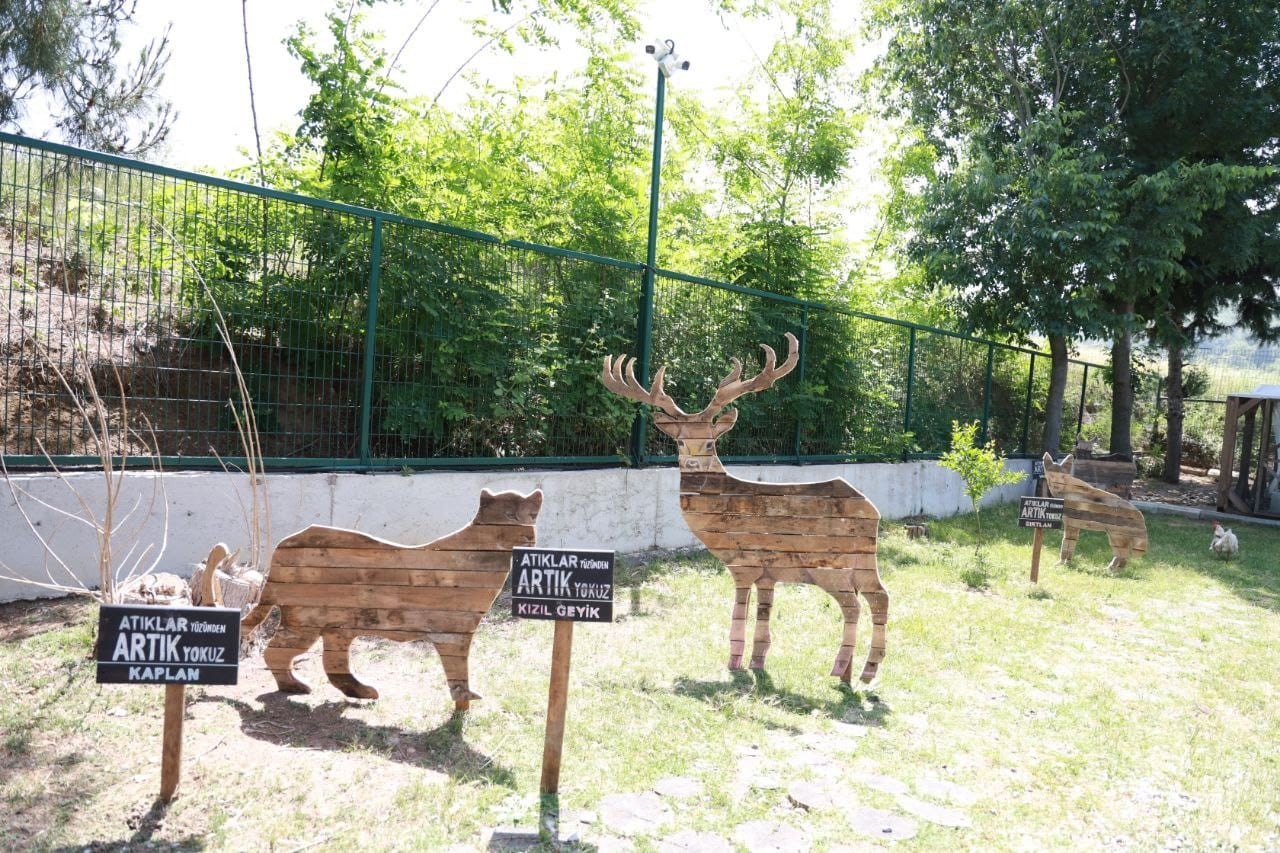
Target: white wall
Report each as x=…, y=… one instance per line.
x=618, y=509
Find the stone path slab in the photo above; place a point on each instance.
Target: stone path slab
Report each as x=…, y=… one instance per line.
x=941, y=815
x=689, y=841
x=633, y=814
x=764, y=836
x=882, y=824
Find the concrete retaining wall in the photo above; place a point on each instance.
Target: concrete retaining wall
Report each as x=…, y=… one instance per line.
x=624, y=510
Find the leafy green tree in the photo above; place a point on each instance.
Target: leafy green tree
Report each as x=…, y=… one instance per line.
x=64, y=56
x=980, y=466
x=1066, y=142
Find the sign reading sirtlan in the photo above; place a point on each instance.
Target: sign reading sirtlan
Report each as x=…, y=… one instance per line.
x=562, y=583
x=1040, y=512
x=168, y=645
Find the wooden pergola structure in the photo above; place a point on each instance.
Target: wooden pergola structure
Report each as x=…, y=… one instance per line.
x=1249, y=481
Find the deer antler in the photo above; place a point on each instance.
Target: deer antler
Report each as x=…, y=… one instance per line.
x=622, y=381
x=732, y=386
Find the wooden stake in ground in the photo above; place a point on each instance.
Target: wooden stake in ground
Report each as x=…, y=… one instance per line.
x=557, y=703
x=172, y=646
x=566, y=585
x=175, y=706
x=1039, y=512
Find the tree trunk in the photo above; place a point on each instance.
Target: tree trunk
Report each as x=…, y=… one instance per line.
x=1122, y=389
x=1058, y=365
x=1173, y=435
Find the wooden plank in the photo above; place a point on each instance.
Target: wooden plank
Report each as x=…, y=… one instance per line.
x=776, y=505
x=717, y=522
x=774, y=559
x=787, y=543
x=1227, y=461
x=388, y=577
x=710, y=483
x=394, y=559
x=362, y=619
x=371, y=596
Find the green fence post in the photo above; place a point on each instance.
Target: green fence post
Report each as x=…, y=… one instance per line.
x=986, y=392
x=1026, y=413
x=804, y=346
x=911, y=378
x=1084, y=388
x=644, y=326
x=370, y=335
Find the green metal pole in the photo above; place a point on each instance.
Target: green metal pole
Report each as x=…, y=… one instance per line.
x=911, y=379
x=1026, y=412
x=804, y=348
x=366, y=388
x=644, y=329
x=1084, y=388
x=986, y=393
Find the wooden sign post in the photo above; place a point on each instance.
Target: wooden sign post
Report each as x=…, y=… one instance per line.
x=173, y=646
x=1039, y=514
x=567, y=586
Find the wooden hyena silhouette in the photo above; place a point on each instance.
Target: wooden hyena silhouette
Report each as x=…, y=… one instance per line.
x=817, y=533
x=340, y=584
x=1087, y=507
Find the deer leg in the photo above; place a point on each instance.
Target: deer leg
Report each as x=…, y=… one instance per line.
x=743, y=578
x=868, y=581
x=1069, y=537
x=287, y=644
x=839, y=585
x=764, y=605
x=453, y=657
x=337, y=665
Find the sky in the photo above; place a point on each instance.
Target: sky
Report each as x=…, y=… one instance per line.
x=207, y=81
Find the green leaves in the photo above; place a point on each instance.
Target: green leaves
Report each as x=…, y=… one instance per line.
x=981, y=468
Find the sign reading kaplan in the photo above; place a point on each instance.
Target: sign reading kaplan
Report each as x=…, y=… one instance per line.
x=562, y=583
x=168, y=645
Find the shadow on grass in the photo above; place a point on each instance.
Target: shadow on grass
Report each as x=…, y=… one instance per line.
x=848, y=704
x=285, y=722
x=1175, y=543
x=1253, y=576
x=144, y=827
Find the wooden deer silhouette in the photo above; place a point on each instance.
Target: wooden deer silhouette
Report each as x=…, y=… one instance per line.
x=818, y=533
x=1087, y=507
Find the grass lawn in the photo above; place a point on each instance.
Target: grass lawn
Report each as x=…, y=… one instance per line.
x=1090, y=711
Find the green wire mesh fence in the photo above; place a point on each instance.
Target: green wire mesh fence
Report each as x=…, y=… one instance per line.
x=370, y=340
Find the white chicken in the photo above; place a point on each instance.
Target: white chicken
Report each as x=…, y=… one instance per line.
x=1224, y=543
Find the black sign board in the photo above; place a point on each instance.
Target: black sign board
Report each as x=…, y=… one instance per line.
x=138, y=644
x=1040, y=512
x=562, y=583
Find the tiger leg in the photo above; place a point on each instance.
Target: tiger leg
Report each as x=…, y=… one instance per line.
x=287, y=644
x=453, y=657
x=337, y=665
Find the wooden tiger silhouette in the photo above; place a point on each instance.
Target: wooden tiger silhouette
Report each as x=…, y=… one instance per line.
x=1087, y=507
x=339, y=584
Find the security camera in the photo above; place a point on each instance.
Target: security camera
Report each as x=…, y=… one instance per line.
x=660, y=49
